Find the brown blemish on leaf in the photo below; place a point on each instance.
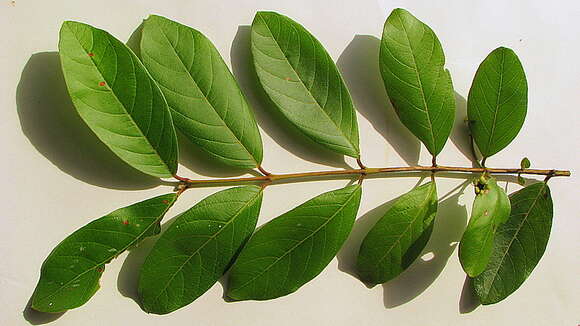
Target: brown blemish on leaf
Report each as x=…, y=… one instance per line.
x=91, y=54
x=102, y=84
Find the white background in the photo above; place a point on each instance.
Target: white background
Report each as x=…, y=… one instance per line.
x=56, y=177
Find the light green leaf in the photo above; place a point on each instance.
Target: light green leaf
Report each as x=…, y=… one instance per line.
x=398, y=238
x=518, y=245
x=490, y=209
x=205, y=100
x=70, y=274
x=197, y=249
x=497, y=101
x=302, y=80
x=295, y=247
x=419, y=87
x=118, y=99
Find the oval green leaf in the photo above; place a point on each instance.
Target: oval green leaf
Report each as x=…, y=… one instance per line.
x=412, y=66
x=70, y=275
x=398, y=238
x=518, y=245
x=197, y=249
x=117, y=98
x=295, y=247
x=490, y=209
x=497, y=102
x=205, y=100
x=302, y=80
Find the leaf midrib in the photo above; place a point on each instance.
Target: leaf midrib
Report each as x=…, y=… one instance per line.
x=188, y=73
x=353, y=147
x=225, y=226
x=109, y=258
x=301, y=241
x=131, y=55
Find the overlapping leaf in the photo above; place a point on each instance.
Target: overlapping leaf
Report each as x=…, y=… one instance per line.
x=497, y=101
x=490, y=209
x=118, y=99
x=419, y=87
x=398, y=238
x=302, y=80
x=205, y=100
x=197, y=249
x=295, y=247
x=70, y=274
x=518, y=245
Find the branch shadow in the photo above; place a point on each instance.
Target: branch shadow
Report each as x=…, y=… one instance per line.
x=36, y=317
x=269, y=118
x=359, y=65
x=52, y=125
x=468, y=301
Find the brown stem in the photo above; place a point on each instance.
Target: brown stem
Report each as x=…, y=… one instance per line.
x=369, y=171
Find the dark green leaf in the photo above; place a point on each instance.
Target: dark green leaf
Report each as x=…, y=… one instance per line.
x=419, y=87
x=197, y=249
x=490, y=209
x=295, y=247
x=525, y=163
x=497, y=101
x=70, y=274
x=518, y=245
x=118, y=99
x=205, y=100
x=302, y=80
x=398, y=238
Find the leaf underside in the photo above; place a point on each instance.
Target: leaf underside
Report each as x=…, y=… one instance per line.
x=117, y=98
x=197, y=249
x=497, y=101
x=70, y=274
x=518, y=245
x=398, y=238
x=205, y=100
x=295, y=247
x=419, y=87
x=490, y=209
x=300, y=77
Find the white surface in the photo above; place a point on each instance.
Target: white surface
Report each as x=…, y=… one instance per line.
x=56, y=179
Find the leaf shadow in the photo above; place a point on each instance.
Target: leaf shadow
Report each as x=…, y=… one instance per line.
x=52, y=125
x=36, y=317
x=359, y=65
x=460, y=134
x=268, y=116
x=468, y=301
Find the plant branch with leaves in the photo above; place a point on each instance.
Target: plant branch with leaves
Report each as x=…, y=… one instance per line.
x=135, y=105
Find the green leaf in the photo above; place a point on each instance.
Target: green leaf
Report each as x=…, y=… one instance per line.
x=70, y=274
x=521, y=180
x=197, y=249
x=525, y=163
x=419, y=87
x=497, y=101
x=295, y=247
x=118, y=99
x=302, y=80
x=518, y=245
x=490, y=209
x=205, y=100
x=398, y=238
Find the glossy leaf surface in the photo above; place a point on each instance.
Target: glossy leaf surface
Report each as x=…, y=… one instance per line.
x=419, y=87
x=295, y=247
x=205, y=100
x=490, y=209
x=197, y=249
x=118, y=99
x=302, y=80
x=398, y=238
x=518, y=245
x=497, y=101
x=70, y=274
